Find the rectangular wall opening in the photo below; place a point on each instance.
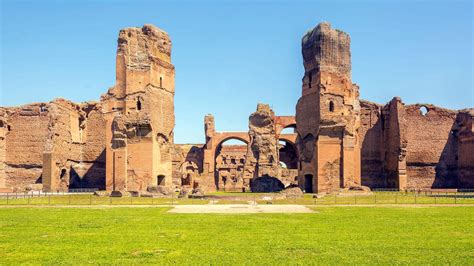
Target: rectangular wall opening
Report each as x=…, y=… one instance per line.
x=308, y=183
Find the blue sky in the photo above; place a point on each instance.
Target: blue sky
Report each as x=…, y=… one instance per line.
x=231, y=55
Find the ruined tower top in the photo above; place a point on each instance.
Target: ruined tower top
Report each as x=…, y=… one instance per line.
x=326, y=49
x=143, y=61
x=143, y=45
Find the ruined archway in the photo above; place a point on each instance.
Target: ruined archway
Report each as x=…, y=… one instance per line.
x=289, y=129
x=230, y=155
x=189, y=172
x=287, y=154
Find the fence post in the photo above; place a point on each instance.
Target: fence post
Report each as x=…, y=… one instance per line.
x=455, y=197
x=110, y=200
x=335, y=199
x=49, y=199
x=69, y=198
x=415, y=197
x=7, y=198
x=375, y=198
x=436, y=198
x=28, y=197
x=355, y=199
x=151, y=199
x=90, y=199
x=396, y=197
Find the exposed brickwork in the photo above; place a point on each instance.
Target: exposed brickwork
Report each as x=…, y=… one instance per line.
x=328, y=113
x=125, y=141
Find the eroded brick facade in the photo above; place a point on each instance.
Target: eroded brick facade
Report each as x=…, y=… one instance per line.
x=124, y=142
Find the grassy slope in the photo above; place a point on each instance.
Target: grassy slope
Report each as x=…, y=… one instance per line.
x=150, y=235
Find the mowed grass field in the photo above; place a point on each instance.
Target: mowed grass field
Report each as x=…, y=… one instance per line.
x=332, y=235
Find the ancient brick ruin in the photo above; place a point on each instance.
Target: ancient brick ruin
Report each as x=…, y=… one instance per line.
x=124, y=142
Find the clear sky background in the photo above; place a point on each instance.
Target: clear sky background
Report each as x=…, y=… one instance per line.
x=231, y=55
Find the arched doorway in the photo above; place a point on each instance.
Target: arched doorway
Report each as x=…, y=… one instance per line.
x=229, y=164
x=308, y=183
x=287, y=154
x=288, y=162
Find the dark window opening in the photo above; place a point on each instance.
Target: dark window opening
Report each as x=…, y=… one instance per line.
x=9, y=128
x=186, y=181
x=63, y=173
x=331, y=106
x=161, y=82
x=139, y=105
x=308, y=183
x=161, y=180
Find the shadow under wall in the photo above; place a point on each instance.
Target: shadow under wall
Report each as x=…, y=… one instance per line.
x=447, y=167
x=372, y=164
x=93, y=178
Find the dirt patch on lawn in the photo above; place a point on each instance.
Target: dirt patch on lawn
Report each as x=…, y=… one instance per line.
x=240, y=208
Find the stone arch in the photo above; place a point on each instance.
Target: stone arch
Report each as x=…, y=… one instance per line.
x=288, y=153
x=282, y=122
x=229, y=164
x=424, y=110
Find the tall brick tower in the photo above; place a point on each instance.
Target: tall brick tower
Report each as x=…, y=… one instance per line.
x=328, y=113
x=140, y=111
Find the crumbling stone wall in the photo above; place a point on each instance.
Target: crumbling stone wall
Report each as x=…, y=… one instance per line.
x=431, y=147
x=395, y=144
x=25, y=131
x=262, y=155
x=187, y=165
x=230, y=162
x=464, y=130
x=3, y=132
x=409, y=149
x=371, y=134
x=140, y=112
x=55, y=131
x=328, y=113
x=125, y=141
x=74, y=152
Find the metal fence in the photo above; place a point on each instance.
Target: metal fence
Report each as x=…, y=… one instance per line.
x=371, y=198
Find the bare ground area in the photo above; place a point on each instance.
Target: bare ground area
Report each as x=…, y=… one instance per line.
x=240, y=208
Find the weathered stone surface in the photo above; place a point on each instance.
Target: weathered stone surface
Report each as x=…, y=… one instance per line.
x=328, y=113
x=464, y=131
x=263, y=155
x=140, y=111
x=125, y=142
x=292, y=192
x=160, y=189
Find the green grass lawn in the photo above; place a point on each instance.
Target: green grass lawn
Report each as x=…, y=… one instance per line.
x=348, y=235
